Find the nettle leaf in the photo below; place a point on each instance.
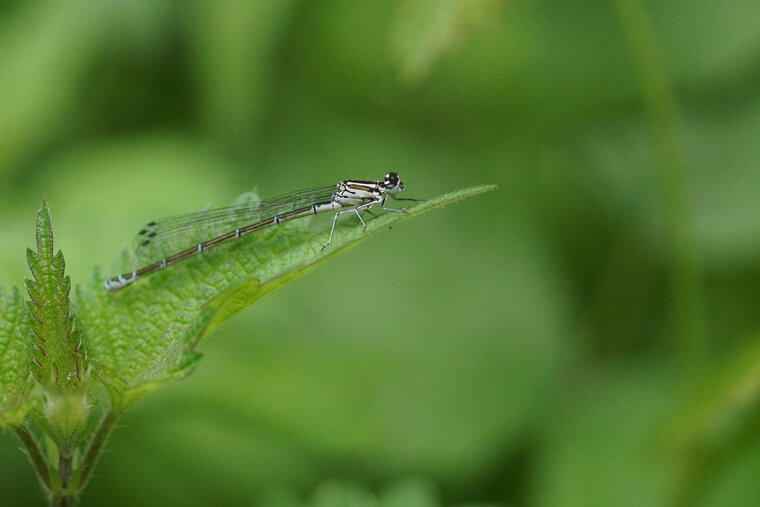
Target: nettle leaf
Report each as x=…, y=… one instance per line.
x=144, y=335
x=15, y=383
x=57, y=354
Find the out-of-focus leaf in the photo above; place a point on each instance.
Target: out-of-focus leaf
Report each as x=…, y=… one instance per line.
x=729, y=409
x=14, y=357
x=723, y=178
x=342, y=494
x=45, y=48
x=425, y=30
x=409, y=493
x=724, y=421
x=683, y=27
x=42, y=48
x=603, y=443
x=735, y=481
x=233, y=43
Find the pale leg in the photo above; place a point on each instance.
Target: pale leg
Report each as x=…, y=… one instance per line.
x=352, y=210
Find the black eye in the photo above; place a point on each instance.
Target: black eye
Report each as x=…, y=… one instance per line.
x=391, y=179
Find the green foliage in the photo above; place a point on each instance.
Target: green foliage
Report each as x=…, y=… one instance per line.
x=425, y=30
x=14, y=358
x=139, y=338
x=409, y=493
x=288, y=260
x=58, y=358
x=144, y=336
x=587, y=335
x=723, y=416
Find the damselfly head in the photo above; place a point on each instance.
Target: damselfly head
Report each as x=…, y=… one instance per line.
x=392, y=183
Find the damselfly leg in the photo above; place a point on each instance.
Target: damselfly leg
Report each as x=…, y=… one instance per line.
x=363, y=207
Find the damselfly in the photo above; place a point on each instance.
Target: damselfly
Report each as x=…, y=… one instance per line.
x=167, y=241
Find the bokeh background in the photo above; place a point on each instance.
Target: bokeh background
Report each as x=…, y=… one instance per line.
x=585, y=335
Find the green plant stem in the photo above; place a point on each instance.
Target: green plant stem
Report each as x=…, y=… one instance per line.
x=96, y=445
x=687, y=291
x=65, y=464
x=63, y=497
x=35, y=454
x=63, y=500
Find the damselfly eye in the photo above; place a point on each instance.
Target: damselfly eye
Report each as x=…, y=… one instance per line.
x=391, y=180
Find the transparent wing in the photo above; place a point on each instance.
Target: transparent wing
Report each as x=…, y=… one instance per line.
x=166, y=236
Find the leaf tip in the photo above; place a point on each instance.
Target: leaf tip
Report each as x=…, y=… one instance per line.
x=44, y=230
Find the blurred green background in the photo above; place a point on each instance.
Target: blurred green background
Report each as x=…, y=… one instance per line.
x=585, y=335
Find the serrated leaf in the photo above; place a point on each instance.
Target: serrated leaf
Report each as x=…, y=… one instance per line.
x=14, y=358
x=136, y=336
x=57, y=354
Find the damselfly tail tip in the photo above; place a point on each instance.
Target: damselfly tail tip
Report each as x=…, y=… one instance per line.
x=119, y=282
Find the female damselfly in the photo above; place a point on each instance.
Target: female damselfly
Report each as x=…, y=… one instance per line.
x=159, y=238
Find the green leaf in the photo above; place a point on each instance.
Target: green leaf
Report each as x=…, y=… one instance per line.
x=139, y=337
x=233, y=44
x=426, y=30
x=719, y=425
x=731, y=405
x=15, y=398
x=599, y=448
x=237, y=297
x=57, y=354
x=407, y=493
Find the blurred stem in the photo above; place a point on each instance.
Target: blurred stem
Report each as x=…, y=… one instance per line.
x=64, y=500
x=35, y=454
x=96, y=445
x=687, y=294
x=65, y=464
